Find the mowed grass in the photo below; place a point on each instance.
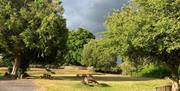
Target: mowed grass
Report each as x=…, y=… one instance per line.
x=124, y=84
x=66, y=80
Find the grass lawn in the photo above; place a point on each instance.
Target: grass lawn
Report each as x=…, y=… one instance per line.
x=65, y=80
x=123, y=84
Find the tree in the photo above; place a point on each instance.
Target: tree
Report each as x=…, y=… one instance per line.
x=148, y=29
x=32, y=25
x=97, y=54
x=75, y=44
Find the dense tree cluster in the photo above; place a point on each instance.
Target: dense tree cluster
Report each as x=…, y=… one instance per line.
x=75, y=44
x=32, y=28
x=97, y=54
x=148, y=29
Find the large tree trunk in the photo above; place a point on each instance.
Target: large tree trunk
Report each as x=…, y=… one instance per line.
x=175, y=77
x=17, y=62
x=175, y=85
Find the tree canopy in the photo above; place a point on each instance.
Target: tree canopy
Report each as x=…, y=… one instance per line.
x=148, y=29
x=75, y=44
x=97, y=54
x=32, y=25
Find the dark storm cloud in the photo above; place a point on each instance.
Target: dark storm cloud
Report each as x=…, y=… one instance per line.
x=89, y=14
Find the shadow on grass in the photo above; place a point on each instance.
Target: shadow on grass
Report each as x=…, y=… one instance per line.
x=100, y=85
x=98, y=78
x=104, y=85
x=118, y=78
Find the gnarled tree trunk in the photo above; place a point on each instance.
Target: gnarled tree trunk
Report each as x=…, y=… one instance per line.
x=17, y=60
x=175, y=85
x=175, y=77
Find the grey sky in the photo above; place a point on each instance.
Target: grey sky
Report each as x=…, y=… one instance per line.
x=89, y=14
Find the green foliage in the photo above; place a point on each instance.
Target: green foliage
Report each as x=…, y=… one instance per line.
x=7, y=61
x=152, y=70
x=147, y=29
x=96, y=54
x=130, y=67
x=113, y=70
x=127, y=68
x=37, y=27
x=144, y=70
x=75, y=44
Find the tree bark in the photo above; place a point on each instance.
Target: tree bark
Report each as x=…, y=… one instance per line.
x=175, y=85
x=175, y=77
x=17, y=60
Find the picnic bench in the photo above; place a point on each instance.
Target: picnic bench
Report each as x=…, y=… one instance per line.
x=164, y=88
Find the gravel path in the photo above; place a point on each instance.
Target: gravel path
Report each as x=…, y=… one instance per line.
x=17, y=85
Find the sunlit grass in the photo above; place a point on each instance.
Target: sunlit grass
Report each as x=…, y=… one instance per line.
x=66, y=80
x=68, y=85
x=39, y=71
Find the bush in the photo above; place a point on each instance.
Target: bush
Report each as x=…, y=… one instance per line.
x=144, y=70
x=126, y=68
x=112, y=70
x=155, y=71
x=116, y=70
x=96, y=54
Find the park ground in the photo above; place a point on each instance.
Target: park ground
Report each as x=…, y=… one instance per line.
x=66, y=80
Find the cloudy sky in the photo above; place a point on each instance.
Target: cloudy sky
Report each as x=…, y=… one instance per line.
x=89, y=14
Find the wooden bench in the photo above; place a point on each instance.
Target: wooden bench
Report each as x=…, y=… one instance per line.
x=164, y=88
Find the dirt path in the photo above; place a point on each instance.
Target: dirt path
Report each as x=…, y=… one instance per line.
x=17, y=85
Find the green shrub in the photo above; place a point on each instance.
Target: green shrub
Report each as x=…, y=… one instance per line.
x=112, y=70
x=116, y=69
x=155, y=71
x=127, y=68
